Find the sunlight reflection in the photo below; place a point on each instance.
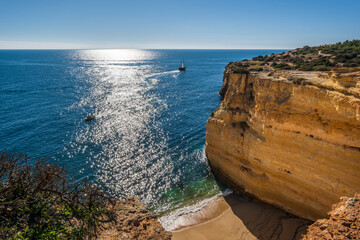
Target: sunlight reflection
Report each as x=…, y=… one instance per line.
x=131, y=160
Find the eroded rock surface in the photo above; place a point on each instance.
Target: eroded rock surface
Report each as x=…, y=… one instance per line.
x=133, y=221
x=344, y=222
x=288, y=138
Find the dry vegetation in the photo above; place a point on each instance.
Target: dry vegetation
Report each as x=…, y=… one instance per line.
x=320, y=58
x=38, y=202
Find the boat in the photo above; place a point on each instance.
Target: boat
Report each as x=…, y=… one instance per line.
x=182, y=67
x=89, y=117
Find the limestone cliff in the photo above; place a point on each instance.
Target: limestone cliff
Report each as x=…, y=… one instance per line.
x=289, y=138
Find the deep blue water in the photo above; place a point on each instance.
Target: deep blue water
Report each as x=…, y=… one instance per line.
x=149, y=134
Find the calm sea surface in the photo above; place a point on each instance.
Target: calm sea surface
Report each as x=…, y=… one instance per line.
x=149, y=133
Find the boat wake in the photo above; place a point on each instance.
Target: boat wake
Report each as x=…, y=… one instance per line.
x=162, y=73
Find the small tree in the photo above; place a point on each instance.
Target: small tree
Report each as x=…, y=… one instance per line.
x=38, y=202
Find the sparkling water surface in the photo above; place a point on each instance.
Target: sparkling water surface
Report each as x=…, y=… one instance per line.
x=149, y=133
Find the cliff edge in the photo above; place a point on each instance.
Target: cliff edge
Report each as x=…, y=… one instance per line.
x=344, y=222
x=288, y=137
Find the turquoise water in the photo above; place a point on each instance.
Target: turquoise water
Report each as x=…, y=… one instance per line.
x=149, y=134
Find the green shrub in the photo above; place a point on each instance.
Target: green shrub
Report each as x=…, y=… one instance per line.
x=321, y=68
x=237, y=64
x=257, y=69
x=350, y=64
x=37, y=202
x=306, y=68
x=281, y=66
x=240, y=70
x=259, y=58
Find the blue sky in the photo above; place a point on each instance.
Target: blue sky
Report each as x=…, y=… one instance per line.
x=152, y=24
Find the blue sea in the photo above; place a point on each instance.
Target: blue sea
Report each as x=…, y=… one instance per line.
x=148, y=136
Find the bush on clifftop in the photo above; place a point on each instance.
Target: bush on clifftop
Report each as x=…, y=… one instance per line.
x=319, y=58
x=38, y=202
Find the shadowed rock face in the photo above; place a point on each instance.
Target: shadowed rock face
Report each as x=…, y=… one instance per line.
x=295, y=145
x=266, y=222
x=344, y=222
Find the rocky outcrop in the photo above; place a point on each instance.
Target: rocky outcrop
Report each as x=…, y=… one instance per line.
x=347, y=77
x=344, y=222
x=133, y=221
x=288, y=138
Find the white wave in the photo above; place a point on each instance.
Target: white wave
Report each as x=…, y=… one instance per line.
x=227, y=192
x=174, y=219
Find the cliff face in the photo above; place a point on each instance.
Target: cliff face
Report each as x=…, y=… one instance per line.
x=288, y=138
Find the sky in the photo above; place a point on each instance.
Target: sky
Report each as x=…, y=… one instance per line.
x=187, y=24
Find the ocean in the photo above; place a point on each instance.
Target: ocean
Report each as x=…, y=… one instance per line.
x=148, y=136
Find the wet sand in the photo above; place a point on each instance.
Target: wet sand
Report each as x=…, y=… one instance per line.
x=233, y=217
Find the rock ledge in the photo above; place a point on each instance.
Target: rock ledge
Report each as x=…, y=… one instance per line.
x=344, y=222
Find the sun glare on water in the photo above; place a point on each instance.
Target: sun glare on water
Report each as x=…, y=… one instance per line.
x=126, y=141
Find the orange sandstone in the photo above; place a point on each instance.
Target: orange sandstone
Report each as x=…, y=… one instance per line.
x=288, y=138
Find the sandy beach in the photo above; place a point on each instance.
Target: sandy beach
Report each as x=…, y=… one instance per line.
x=233, y=217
